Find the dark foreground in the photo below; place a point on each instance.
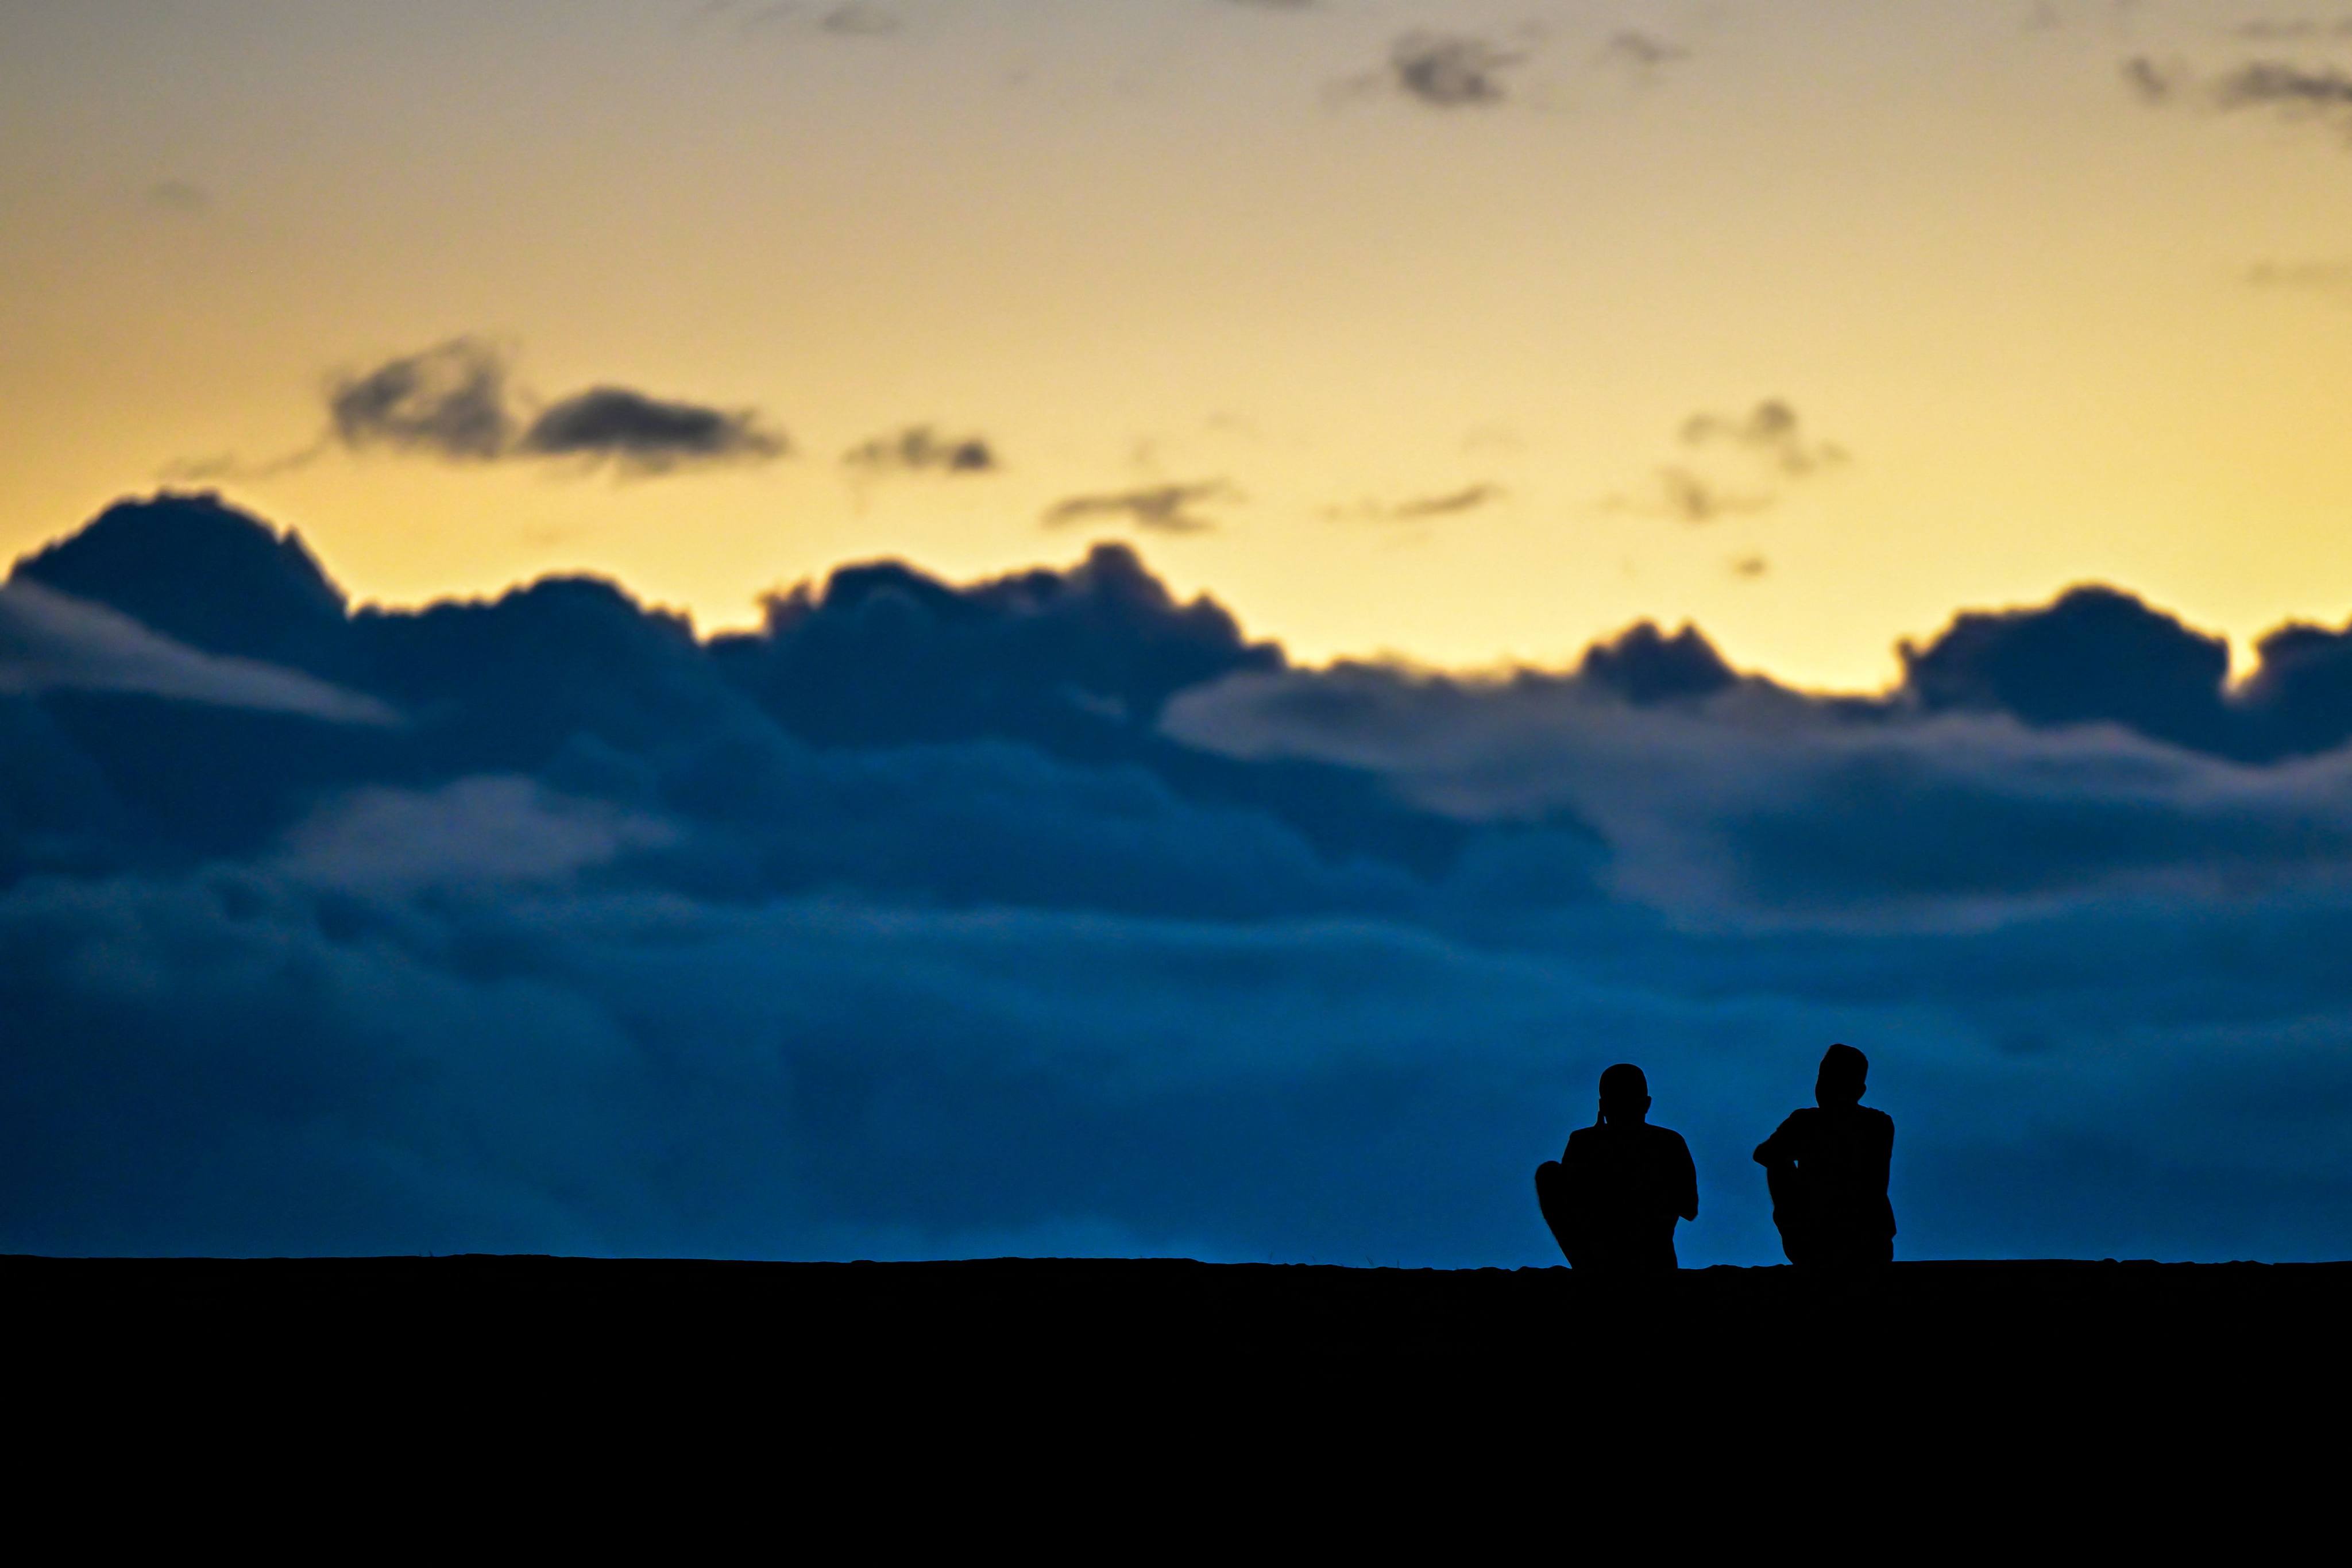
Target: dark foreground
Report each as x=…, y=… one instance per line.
x=1276, y=1343
x=1028, y=1400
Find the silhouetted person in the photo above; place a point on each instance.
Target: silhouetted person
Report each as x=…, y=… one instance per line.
x=1613, y=1196
x=1827, y=1168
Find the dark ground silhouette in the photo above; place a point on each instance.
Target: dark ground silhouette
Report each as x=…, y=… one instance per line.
x=1717, y=1360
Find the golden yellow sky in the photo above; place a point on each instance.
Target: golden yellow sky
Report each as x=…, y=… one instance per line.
x=1142, y=242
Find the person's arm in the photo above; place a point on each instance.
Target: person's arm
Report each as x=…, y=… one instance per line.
x=1686, y=1192
x=1776, y=1150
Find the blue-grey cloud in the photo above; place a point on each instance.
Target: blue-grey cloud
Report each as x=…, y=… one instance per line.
x=1052, y=912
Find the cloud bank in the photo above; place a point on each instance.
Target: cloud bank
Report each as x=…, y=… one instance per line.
x=1053, y=913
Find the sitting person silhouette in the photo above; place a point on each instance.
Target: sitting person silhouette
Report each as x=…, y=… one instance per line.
x=1613, y=1196
x=1827, y=1168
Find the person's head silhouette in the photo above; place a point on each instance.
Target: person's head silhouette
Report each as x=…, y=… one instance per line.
x=1625, y=1095
x=1845, y=1071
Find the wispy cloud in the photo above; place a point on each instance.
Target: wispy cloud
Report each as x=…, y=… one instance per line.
x=2321, y=92
x=1733, y=465
x=1643, y=51
x=51, y=640
x=1451, y=71
x=921, y=450
x=1158, y=508
x=1422, y=509
x=449, y=401
x=1771, y=430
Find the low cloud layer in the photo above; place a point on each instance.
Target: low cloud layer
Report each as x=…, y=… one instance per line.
x=1054, y=913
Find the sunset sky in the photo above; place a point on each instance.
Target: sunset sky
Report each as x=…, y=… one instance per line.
x=1243, y=825
x=1439, y=329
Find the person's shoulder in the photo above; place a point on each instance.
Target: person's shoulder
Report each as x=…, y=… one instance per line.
x=1664, y=1135
x=1877, y=1117
x=1584, y=1138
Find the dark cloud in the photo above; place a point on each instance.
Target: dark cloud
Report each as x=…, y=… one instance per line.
x=1451, y=71
x=920, y=449
x=1160, y=509
x=1053, y=913
x=200, y=573
x=647, y=434
x=448, y=401
x=571, y=682
x=455, y=401
x=2095, y=656
x=1645, y=665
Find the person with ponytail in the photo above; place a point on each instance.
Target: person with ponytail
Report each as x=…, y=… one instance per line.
x=1614, y=1193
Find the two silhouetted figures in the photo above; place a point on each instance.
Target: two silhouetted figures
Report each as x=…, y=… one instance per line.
x=1613, y=1195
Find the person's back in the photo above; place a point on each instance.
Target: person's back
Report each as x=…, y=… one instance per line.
x=1613, y=1196
x=1828, y=1168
